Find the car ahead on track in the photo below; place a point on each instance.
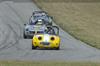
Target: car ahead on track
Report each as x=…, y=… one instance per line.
x=40, y=12
x=34, y=28
x=37, y=15
x=48, y=39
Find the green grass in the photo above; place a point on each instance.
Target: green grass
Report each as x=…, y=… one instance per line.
x=67, y=0
x=80, y=19
x=25, y=63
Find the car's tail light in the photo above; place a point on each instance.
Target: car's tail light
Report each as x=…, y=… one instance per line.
x=52, y=38
x=39, y=38
x=27, y=29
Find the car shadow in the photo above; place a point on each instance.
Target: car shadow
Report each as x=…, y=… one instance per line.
x=48, y=49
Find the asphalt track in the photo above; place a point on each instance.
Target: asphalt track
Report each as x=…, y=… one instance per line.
x=13, y=15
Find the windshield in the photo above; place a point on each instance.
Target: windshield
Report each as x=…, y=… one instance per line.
x=53, y=30
x=50, y=31
x=39, y=15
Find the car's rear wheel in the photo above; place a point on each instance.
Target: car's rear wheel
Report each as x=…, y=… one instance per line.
x=58, y=48
x=33, y=47
x=50, y=24
x=25, y=37
x=31, y=37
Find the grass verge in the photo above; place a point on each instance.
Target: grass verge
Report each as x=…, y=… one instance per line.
x=80, y=19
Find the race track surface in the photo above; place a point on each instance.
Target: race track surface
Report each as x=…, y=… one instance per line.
x=13, y=15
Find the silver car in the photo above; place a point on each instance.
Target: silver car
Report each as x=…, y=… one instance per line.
x=34, y=28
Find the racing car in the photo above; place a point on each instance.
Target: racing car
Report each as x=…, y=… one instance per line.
x=42, y=12
x=34, y=28
x=37, y=15
x=48, y=39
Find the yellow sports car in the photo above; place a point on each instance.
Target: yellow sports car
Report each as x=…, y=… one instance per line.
x=48, y=39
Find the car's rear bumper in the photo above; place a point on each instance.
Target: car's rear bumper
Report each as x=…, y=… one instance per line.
x=51, y=45
x=29, y=34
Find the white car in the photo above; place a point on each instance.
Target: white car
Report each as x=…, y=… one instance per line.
x=34, y=28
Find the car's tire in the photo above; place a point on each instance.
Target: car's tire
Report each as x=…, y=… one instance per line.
x=31, y=37
x=33, y=47
x=58, y=48
x=25, y=37
x=50, y=24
